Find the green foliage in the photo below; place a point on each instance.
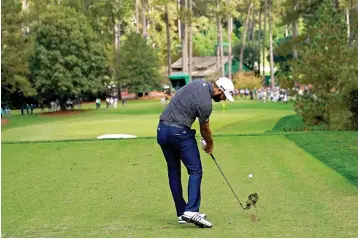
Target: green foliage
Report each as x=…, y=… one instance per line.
x=330, y=65
x=139, y=65
x=294, y=123
x=15, y=46
x=205, y=39
x=68, y=58
x=310, y=109
x=247, y=81
x=352, y=99
x=251, y=53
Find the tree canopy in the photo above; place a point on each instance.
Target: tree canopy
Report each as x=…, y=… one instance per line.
x=15, y=47
x=68, y=59
x=139, y=65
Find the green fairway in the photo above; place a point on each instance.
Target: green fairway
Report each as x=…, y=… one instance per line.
x=140, y=119
x=119, y=188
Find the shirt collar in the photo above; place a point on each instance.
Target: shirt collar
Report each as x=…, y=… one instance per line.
x=211, y=89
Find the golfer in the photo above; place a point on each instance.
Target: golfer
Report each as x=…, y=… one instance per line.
x=177, y=140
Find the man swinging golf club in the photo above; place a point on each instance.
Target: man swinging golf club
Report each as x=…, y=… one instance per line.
x=177, y=141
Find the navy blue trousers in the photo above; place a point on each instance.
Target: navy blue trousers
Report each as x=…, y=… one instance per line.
x=180, y=145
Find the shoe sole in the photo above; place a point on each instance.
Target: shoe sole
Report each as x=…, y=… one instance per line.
x=196, y=223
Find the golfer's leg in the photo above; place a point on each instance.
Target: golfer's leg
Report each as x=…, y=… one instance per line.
x=191, y=158
x=174, y=175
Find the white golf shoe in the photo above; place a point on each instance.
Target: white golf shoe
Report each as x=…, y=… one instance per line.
x=197, y=219
x=181, y=221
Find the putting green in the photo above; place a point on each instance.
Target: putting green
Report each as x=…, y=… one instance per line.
x=120, y=189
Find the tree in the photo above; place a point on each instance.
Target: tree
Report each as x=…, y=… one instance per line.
x=221, y=43
x=184, y=33
x=229, y=30
x=139, y=65
x=249, y=56
x=144, y=20
x=167, y=28
x=330, y=66
x=264, y=42
x=15, y=49
x=137, y=16
x=205, y=39
x=190, y=53
x=271, y=46
x=67, y=59
x=244, y=36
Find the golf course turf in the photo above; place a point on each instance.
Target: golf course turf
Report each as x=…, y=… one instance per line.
x=82, y=187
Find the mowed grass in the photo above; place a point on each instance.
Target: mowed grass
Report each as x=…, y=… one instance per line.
x=339, y=150
x=139, y=118
x=119, y=188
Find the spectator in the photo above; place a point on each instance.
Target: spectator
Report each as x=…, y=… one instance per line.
x=42, y=107
x=22, y=108
x=107, y=102
x=27, y=109
x=32, y=108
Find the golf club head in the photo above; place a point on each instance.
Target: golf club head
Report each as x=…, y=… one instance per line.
x=252, y=200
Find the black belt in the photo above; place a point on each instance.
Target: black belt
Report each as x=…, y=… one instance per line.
x=176, y=125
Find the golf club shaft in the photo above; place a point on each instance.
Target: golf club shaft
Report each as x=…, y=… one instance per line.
x=212, y=156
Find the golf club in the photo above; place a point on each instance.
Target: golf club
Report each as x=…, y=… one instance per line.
x=252, y=198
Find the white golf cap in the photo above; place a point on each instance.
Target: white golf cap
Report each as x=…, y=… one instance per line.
x=226, y=85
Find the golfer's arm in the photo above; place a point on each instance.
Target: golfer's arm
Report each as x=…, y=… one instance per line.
x=205, y=132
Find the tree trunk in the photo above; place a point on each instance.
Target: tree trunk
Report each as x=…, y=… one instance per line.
x=271, y=48
x=116, y=45
x=137, y=15
x=295, y=34
x=222, y=65
x=24, y=5
x=217, y=38
x=353, y=22
x=179, y=22
x=25, y=26
x=252, y=28
x=244, y=37
x=264, y=42
x=190, y=58
x=335, y=3
x=348, y=26
x=166, y=15
x=117, y=57
x=229, y=28
x=118, y=36
x=259, y=40
x=185, y=40
x=144, y=20
x=253, y=33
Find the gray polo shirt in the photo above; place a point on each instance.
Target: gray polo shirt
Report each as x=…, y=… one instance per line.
x=191, y=101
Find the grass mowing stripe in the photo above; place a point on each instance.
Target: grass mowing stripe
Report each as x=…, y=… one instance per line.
x=112, y=189
x=154, y=137
x=140, y=119
x=339, y=150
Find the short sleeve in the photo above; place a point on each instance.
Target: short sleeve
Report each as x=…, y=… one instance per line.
x=204, y=112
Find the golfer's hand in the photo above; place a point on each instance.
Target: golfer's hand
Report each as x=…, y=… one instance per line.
x=208, y=148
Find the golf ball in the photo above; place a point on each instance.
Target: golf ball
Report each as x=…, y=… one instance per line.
x=250, y=175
